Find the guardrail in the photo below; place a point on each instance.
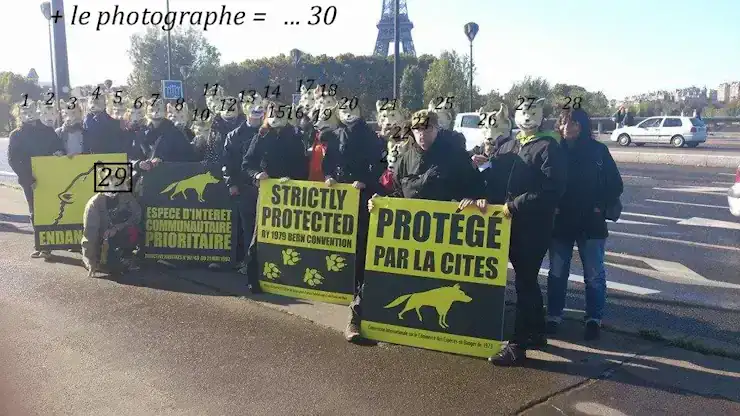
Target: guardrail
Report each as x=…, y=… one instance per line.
x=606, y=124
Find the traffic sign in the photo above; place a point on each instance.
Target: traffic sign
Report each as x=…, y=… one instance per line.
x=172, y=89
x=296, y=99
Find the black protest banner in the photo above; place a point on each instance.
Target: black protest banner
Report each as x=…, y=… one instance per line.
x=435, y=278
x=188, y=216
x=307, y=237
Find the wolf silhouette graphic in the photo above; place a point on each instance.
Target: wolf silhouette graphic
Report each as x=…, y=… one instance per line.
x=69, y=195
x=440, y=299
x=197, y=183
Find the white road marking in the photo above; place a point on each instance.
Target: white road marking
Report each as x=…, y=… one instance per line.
x=609, y=284
x=621, y=221
x=671, y=240
x=705, y=222
x=706, y=190
x=686, y=203
x=668, y=271
x=727, y=174
x=636, y=177
x=657, y=217
x=723, y=183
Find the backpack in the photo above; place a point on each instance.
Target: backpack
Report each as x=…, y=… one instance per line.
x=612, y=209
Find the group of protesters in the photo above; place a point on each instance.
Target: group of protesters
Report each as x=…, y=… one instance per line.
x=555, y=186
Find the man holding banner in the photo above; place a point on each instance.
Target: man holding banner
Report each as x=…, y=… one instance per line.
x=434, y=167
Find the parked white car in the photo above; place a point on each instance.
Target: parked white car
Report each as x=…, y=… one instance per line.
x=733, y=195
x=674, y=130
x=468, y=125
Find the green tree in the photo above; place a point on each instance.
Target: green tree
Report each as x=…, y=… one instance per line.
x=148, y=55
x=12, y=89
x=412, y=88
x=491, y=101
x=446, y=77
x=529, y=87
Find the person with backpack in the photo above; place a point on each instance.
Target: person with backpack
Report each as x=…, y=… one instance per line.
x=591, y=196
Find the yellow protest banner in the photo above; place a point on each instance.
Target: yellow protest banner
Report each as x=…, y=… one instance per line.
x=306, y=241
x=64, y=184
x=448, y=267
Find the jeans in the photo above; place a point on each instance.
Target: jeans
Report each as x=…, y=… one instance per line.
x=594, y=276
x=28, y=193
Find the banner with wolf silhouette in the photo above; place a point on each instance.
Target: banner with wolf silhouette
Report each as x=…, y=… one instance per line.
x=64, y=184
x=188, y=215
x=435, y=278
x=306, y=239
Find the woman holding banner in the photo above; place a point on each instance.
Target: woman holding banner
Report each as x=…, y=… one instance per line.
x=434, y=167
x=276, y=151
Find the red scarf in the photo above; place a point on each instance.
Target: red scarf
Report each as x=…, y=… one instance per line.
x=315, y=168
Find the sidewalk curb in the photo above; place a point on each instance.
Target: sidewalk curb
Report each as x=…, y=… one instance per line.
x=677, y=159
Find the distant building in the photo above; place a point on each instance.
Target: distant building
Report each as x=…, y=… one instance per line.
x=33, y=76
x=712, y=95
x=723, y=92
x=734, y=91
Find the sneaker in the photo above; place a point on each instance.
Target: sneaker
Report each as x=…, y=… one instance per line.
x=551, y=327
x=511, y=355
x=45, y=254
x=592, y=332
x=352, y=331
x=36, y=254
x=214, y=266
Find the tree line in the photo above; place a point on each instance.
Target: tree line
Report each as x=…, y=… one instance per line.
x=369, y=78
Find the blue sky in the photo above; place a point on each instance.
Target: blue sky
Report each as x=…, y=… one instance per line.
x=620, y=47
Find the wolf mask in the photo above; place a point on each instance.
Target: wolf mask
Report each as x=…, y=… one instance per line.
x=179, y=117
x=47, y=113
x=349, y=111
x=307, y=101
x=390, y=116
x=26, y=113
x=73, y=115
x=201, y=129
x=277, y=114
x=326, y=105
x=529, y=114
x=213, y=99
x=254, y=108
x=228, y=107
x=444, y=114
x=496, y=124
x=156, y=109
x=96, y=104
x=116, y=106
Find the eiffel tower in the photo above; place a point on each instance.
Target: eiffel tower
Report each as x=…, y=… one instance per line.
x=386, y=27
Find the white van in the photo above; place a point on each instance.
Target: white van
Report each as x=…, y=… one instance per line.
x=467, y=124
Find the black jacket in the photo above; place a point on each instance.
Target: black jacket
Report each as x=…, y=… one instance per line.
x=211, y=153
x=235, y=147
x=442, y=173
x=529, y=178
x=29, y=140
x=224, y=127
x=135, y=136
x=359, y=156
x=103, y=134
x=168, y=143
x=277, y=152
x=589, y=186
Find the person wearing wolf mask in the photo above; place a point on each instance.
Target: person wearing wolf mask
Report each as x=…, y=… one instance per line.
x=163, y=141
x=103, y=131
x=71, y=132
x=528, y=176
x=48, y=113
x=443, y=110
x=243, y=193
x=134, y=130
x=180, y=118
x=322, y=161
x=31, y=138
x=110, y=230
x=275, y=152
x=229, y=115
x=307, y=110
x=433, y=167
x=496, y=131
x=358, y=162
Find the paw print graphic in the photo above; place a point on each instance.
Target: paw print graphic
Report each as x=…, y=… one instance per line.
x=335, y=262
x=271, y=271
x=291, y=257
x=312, y=277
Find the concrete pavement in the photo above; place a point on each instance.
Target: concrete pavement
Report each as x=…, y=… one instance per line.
x=193, y=342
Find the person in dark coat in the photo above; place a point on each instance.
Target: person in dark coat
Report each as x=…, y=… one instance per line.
x=102, y=132
x=593, y=183
x=244, y=193
x=433, y=167
x=356, y=158
x=275, y=152
x=31, y=138
x=230, y=116
x=528, y=176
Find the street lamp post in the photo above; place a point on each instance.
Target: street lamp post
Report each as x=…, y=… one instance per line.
x=471, y=29
x=169, y=47
x=296, y=56
x=185, y=72
x=46, y=11
x=396, y=49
